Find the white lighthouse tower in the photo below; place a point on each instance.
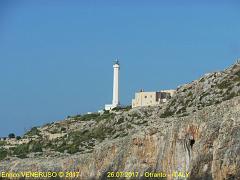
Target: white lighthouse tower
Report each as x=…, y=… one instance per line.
x=116, y=68
x=115, y=100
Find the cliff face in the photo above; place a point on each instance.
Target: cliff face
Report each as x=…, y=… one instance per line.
x=196, y=132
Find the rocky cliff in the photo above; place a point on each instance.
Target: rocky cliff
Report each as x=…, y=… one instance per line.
x=196, y=135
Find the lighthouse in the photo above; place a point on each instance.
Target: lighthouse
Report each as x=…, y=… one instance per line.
x=115, y=100
x=116, y=67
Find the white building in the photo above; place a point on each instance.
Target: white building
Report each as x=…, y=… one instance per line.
x=115, y=100
x=151, y=98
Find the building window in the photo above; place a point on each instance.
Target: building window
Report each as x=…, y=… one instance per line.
x=145, y=97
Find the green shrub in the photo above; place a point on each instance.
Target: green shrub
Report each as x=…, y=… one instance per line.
x=190, y=94
x=49, y=145
x=63, y=129
x=3, y=154
x=217, y=102
x=202, y=80
x=11, y=135
x=100, y=133
x=223, y=85
x=126, y=108
x=34, y=131
x=105, y=116
x=88, y=117
x=22, y=156
x=120, y=120
x=166, y=113
x=21, y=150
x=72, y=149
x=2, y=143
x=76, y=117
x=172, y=103
x=62, y=147
x=229, y=96
x=182, y=110
x=69, y=148
x=36, y=147
x=117, y=109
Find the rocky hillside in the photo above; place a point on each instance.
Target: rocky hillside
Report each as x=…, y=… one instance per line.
x=211, y=89
x=196, y=135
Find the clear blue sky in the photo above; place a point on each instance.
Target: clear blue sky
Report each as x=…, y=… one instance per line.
x=56, y=56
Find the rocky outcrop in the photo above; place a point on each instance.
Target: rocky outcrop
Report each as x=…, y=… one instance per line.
x=211, y=89
x=200, y=142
